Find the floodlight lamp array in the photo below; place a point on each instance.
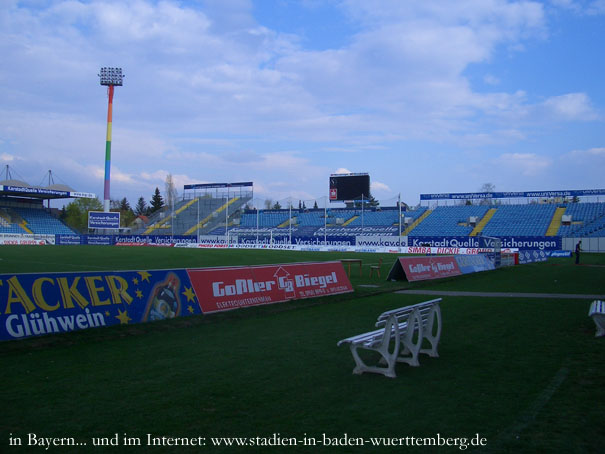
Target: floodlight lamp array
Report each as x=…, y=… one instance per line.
x=111, y=76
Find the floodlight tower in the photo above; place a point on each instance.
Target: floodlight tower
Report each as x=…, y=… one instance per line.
x=110, y=77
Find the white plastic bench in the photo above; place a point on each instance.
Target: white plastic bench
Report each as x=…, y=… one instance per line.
x=401, y=326
x=597, y=312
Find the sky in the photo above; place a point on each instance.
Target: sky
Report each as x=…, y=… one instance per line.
x=426, y=96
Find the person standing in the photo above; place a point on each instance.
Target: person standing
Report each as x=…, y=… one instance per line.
x=578, y=250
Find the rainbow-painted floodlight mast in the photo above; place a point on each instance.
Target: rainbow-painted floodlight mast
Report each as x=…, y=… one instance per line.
x=110, y=77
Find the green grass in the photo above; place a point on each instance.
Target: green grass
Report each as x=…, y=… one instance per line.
x=526, y=374
x=554, y=276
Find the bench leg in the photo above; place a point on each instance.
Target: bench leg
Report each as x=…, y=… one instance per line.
x=599, y=320
x=434, y=316
x=410, y=351
x=390, y=358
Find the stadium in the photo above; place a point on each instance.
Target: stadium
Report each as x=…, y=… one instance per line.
x=225, y=212
x=271, y=298
x=518, y=365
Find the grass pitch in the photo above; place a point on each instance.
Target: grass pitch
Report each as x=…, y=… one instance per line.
x=525, y=374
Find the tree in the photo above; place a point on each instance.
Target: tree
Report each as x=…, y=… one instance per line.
x=268, y=204
x=157, y=202
x=373, y=202
x=370, y=202
x=277, y=206
x=141, y=207
x=489, y=188
x=126, y=214
x=315, y=205
x=124, y=205
x=75, y=214
x=171, y=192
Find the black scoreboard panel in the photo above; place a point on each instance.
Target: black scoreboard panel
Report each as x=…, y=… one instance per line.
x=354, y=186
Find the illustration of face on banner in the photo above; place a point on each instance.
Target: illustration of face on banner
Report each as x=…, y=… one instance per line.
x=164, y=301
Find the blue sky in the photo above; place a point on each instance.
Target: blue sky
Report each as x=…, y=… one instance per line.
x=427, y=97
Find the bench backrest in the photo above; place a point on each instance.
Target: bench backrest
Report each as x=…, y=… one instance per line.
x=403, y=313
x=597, y=307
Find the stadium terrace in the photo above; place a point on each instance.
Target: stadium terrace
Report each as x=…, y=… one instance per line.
x=224, y=215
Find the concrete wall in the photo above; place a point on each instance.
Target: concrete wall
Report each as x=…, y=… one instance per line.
x=588, y=244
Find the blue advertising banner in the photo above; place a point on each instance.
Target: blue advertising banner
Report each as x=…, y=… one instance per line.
x=103, y=220
x=474, y=263
x=298, y=240
x=533, y=256
x=99, y=240
x=542, y=243
x=34, y=191
x=69, y=240
x=504, y=195
x=36, y=304
x=521, y=243
x=153, y=239
x=560, y=254
x=109, y=240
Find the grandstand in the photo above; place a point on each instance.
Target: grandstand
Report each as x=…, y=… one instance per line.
x=482, y=216
x=194, y=216
x=22, y=208
x=450, y=221
x=219, y=209
x=500, y=220
x=203, y=208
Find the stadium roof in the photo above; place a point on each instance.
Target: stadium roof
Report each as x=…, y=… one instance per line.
x=18, y=188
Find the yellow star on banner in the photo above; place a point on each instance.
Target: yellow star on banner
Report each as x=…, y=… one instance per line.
x=189, y=294
x=190, y=309
x=123, y=317
x=135, y=281
x=144, y=275
x=139, y=294
x=107, y=313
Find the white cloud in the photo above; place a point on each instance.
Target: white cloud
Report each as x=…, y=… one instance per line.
x=597, y=7
x=342, y=170
x=5, y=157
x=572, y=106
x=525, y=164
x=212, y=94
x=380, y=187
x=598, y=152
x=591, y=7
x=491, y=79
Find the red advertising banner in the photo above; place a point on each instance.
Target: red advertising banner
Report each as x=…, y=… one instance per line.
x=219, y=289
x=423, y=268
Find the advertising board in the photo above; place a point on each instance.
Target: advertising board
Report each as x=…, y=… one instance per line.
x=220, y=289
x=103, y=220
x=38, y=304
x=474, y=263
x=424, y=268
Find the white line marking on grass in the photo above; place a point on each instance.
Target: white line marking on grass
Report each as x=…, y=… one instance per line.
x=527, y=417
x=530, y=414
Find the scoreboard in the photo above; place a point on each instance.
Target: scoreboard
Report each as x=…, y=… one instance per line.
x=349, y=187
